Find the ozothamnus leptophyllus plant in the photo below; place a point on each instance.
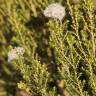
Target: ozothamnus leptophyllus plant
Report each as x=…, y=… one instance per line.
x=55, y=10
x=15, y=53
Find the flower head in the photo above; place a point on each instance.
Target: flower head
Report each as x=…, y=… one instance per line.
x=55, y=11
x=15, y=53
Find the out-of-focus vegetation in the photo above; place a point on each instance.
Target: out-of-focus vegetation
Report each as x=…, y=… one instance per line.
x=60, y=56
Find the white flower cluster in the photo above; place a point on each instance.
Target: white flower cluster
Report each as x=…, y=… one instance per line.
x=55, y=11
x=15, y=53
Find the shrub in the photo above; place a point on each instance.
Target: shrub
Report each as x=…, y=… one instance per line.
x=58, y=57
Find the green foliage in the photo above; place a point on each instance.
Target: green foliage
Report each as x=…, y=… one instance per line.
x=60, y=56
